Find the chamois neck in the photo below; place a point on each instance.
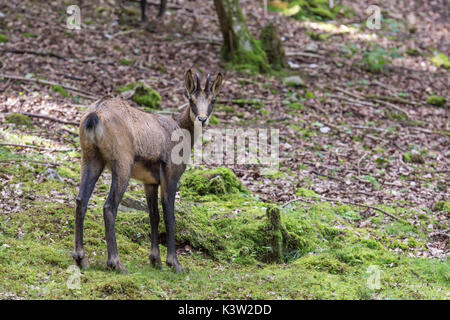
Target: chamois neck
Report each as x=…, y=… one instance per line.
x=184, y=121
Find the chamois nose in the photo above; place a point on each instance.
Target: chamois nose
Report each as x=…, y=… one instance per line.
x=202, y=120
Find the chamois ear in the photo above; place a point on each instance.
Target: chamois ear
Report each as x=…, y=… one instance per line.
x=189, y=82
x=217, y=84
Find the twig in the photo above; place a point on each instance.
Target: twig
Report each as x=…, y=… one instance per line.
x=391, y=99
x=345, y=202
x=351, y=94
x=30, y=160
x=34, y=147
x=327, y=176
x=41, y=116
x=37, y=53
x=304, y=54
x=80, y=92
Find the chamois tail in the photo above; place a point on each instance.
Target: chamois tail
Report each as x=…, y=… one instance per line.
x=92, y=127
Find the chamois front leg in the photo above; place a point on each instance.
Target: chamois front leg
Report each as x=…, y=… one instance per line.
x=120, y=178
x=92, y=168
x=151, y=193
x=169, y=182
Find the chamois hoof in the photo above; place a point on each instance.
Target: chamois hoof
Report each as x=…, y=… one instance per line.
x=155, y=261
x=117, y=266
x=175, y=264
x=81, y=261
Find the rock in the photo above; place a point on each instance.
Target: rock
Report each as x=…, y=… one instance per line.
x=134, y=204
x=51, y=174
x=294, y=81
x=293, y=65
x=325, y=129
x=312, y=47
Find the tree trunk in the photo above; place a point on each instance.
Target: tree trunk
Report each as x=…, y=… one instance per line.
x=273, y=46
x=240, y=49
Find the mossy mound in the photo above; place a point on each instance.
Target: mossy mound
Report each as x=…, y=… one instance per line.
x=143, y=95
x=63, y=92
x=437, y=101
x=3, y=38
x=19, y=120
x=229, y=241
x=218, y=181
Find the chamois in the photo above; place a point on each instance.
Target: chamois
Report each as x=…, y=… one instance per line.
x=132, y=143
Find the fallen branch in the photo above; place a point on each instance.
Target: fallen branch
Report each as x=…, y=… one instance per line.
x=34, y=147
x=30, y=160
x=41, y=116
x=386, y=103
x=344, y=202
x=80, y=92
x=391, y=99
x=304, y=54
x=37, y=53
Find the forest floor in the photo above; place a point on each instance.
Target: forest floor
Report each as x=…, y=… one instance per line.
x=348, y=137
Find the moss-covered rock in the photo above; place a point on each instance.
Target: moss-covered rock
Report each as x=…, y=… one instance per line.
x=437, y=101
x=3, y=38
x=413, y=156
x=218, y=181
x=19, y=119
x=143, y=95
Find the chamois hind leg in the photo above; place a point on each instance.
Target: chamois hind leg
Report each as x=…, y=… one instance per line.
x=120, y=177
x=169, y=180
x=92, y=167
x=151, y=193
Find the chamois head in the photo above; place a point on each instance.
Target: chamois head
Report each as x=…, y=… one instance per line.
x=201, y=102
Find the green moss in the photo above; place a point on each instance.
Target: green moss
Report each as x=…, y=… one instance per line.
x=441, y=60
x=126, y=62
x=19, y=119
x=254, y=103
x=297, y=106
x=323, y=12
x=29, y=35
x=230, y=239
x=302, y=192
x=442, y=206
x=3, y=38
x=437, y=101
x=63, y=92
x=213, y=120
